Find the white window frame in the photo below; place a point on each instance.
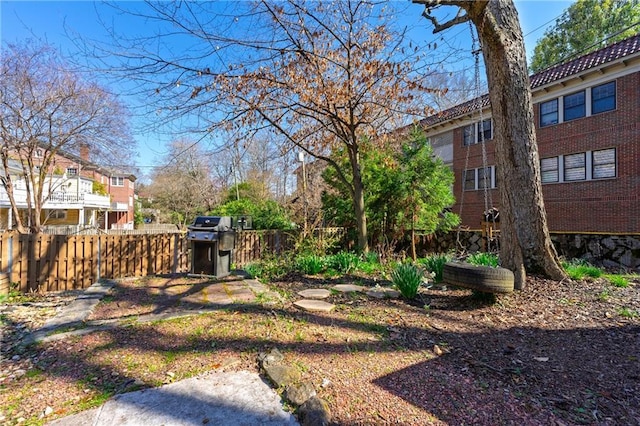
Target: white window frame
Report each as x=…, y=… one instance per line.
x=117, y=181
x=477, y=179
x=591, y=162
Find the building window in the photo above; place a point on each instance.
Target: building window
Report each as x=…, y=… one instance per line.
x=478, y=132
x=575, y=167
x=550, y=171
x=574, y=106
x=474, y=179
x=57, y=214
x=117, y=181
x=549, y=113
x=603, y=98
x=469, y=180
x=72, y=171
x=484, y=178
x=603, y=164
x=469, y=136
x=485, y=131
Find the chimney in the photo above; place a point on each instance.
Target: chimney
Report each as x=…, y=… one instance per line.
x=84, y=151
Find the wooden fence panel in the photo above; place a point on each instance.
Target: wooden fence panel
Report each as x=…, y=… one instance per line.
x=64, y=262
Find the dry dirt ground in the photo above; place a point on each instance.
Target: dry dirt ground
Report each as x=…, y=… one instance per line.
x=558, y=353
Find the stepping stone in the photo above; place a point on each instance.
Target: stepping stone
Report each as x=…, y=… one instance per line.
x=347, y=288
x=314, y=305
x=315, y=293
x=383, y=293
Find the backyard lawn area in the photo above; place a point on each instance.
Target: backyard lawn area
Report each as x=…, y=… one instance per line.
x=555, y=353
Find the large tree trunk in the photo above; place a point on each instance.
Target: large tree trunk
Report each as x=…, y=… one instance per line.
x=358, y=203
x=525, y=241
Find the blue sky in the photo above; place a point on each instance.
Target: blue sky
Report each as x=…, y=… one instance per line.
x=55, y=21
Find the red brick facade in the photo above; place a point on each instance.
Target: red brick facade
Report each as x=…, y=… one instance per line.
x=591, y=205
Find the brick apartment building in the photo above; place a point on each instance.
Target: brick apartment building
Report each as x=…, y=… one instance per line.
x=587, y=115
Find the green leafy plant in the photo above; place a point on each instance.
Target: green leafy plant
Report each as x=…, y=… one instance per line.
x=310, y=264
x=254, y=270
x=344, y=262
x=627, y=313
x=407, y=278
x=435, y=264
x=578, y=269
x=618, y=281
x=484, y=259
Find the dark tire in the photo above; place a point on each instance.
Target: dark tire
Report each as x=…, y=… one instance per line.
x=480, y=278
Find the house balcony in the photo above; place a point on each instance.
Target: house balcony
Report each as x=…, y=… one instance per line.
x=59, y=200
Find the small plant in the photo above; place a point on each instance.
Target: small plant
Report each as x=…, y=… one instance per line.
x=484, y=259
x=435, y=264
x=578, y=269
x=254, y=270
x=603, y=296
x=407, y=278
x=310, y=264
x=627, y=313
x=618, y=281
x=344, y=262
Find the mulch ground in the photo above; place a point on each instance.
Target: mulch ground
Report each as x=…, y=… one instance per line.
x=555, y=353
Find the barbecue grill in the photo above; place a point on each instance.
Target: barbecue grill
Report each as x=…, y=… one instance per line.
x=212, y=242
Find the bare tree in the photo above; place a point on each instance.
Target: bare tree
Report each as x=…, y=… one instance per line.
x=317, y=75
x=182, y=187
x=525, y=242
x=47, y=109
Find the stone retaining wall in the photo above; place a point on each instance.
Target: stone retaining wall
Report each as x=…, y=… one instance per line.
x=609, y=251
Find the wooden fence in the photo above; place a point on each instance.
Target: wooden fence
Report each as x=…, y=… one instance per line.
x=45, y=263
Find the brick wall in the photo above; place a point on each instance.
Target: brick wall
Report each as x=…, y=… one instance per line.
x=607, y=205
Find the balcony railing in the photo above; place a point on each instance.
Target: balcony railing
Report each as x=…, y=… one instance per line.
x=60, y=200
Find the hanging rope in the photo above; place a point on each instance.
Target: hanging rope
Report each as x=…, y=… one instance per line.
x=478, y=126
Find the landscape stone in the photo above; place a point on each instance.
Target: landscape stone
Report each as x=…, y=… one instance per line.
x=299, y=393
x=314, y=305
x=282, y=375
x=315, y=412
x=383, y=293
x=271, y=358
x=315, y=293
x=347, y=288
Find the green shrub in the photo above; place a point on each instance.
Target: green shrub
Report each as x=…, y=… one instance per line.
x=618, y=281
x=484, y=259
x=435, y=264
x=269, y=269
x=344, y=262
x=578, y=269
x=310, y=264
x=369, y=263
x=254, y=270
x=407, y=278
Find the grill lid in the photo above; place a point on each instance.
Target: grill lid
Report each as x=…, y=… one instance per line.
x=205, y=222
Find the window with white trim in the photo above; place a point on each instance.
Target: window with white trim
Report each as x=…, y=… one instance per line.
x=590, y=165
x=475, y=179
x=72, y=171
x=603, y=98
x=469, y=135
x=603, y=164
x=117, y=181
x=549, y=113
x=477, y=132
x=575, y=167
x=574, y=106
x=550, y=170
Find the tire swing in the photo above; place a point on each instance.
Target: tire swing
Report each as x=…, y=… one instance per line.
x=480, y=278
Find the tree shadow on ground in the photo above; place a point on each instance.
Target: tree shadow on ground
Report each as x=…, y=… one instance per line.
x=537, y=375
